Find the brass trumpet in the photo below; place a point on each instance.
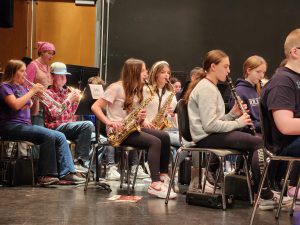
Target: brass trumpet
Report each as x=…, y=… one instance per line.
x=49, y=98
x=71, y=89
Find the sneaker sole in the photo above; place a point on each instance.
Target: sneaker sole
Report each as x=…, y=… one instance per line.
x=49, y=183
x=162, y=197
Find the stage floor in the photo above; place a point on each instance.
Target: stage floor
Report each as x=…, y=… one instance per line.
x=70, y=205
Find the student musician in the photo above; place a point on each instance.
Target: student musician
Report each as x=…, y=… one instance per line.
x=125, y=98
x=160, y=111
x=254, y=69
x=281, y=98
x=211, y=128
x=63, y=118
x=55, y=160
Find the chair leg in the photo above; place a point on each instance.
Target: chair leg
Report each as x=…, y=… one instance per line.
x=260, y=189
x=200, y=170
x=173, y=175
x=206, y=172
x=140, y=152
x=128, y=172
x=295, y=197
x=90, y=167
x=290, y=164
x=122, y=166
x=218, y=174
x=32, y=166
x=221, y=174
x=97, y=163
x=248, y=179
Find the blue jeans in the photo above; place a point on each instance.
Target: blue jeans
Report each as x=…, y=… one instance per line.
x=174, y=137
x=55, y=156
x=81, y=133
x=37, y=120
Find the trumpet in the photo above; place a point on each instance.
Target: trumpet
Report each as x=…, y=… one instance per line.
x=71, y=89
x=49, y=98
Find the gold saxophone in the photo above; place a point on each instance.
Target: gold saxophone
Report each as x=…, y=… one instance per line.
x=130, y=123
x=160, y=121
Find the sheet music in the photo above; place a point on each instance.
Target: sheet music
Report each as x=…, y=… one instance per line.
x=96, y=90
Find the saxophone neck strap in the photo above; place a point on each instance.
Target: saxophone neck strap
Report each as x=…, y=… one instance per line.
x=160, y=96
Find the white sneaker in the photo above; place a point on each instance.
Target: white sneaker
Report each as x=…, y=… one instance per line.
x=166, y=181
x=146, y=164
x=112, y=173
x=270, y=204
x=164, y=178
x=160, y=190
x=80, y=169
x=140, y=173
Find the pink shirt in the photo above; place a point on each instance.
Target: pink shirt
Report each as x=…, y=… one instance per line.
x=39, y=73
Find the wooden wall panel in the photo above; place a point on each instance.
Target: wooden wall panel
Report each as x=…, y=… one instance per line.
x=13, y=40
x=70, y=28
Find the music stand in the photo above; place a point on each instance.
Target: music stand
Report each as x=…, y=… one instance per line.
x=90, y=94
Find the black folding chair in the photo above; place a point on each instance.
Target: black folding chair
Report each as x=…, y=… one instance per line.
x=269, y=150
x=124, y=163
x=13, y=155
x=184, y=132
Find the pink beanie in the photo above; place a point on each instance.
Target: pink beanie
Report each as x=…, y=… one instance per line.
x=45, y=46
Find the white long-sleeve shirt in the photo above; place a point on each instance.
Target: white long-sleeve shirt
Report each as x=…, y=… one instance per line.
x=152, y=107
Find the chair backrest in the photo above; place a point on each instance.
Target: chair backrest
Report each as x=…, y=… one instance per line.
x=266, y=129
x=183, y=120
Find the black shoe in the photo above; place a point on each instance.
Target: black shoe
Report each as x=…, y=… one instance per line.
x=276, y=186
x=211, y=179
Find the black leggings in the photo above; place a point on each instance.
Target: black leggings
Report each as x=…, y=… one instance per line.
x=240, y=141
x=158, y=145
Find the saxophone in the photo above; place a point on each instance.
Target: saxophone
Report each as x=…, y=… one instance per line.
x=160, y=121
x=130, y=123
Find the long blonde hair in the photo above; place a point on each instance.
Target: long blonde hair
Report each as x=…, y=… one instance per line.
x=251, y=63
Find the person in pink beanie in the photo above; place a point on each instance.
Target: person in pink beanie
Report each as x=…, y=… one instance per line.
x=38, y=71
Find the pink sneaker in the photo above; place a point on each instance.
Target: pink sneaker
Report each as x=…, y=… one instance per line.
x=292, y=191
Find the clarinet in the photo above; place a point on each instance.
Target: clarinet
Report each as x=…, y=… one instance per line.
x=239, y=102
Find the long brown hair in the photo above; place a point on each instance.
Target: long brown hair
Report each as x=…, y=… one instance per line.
x=211, y=57
x=11, y=68
x=153, y=74
x=131, y=81
x=197, y=77
x=251, y=63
